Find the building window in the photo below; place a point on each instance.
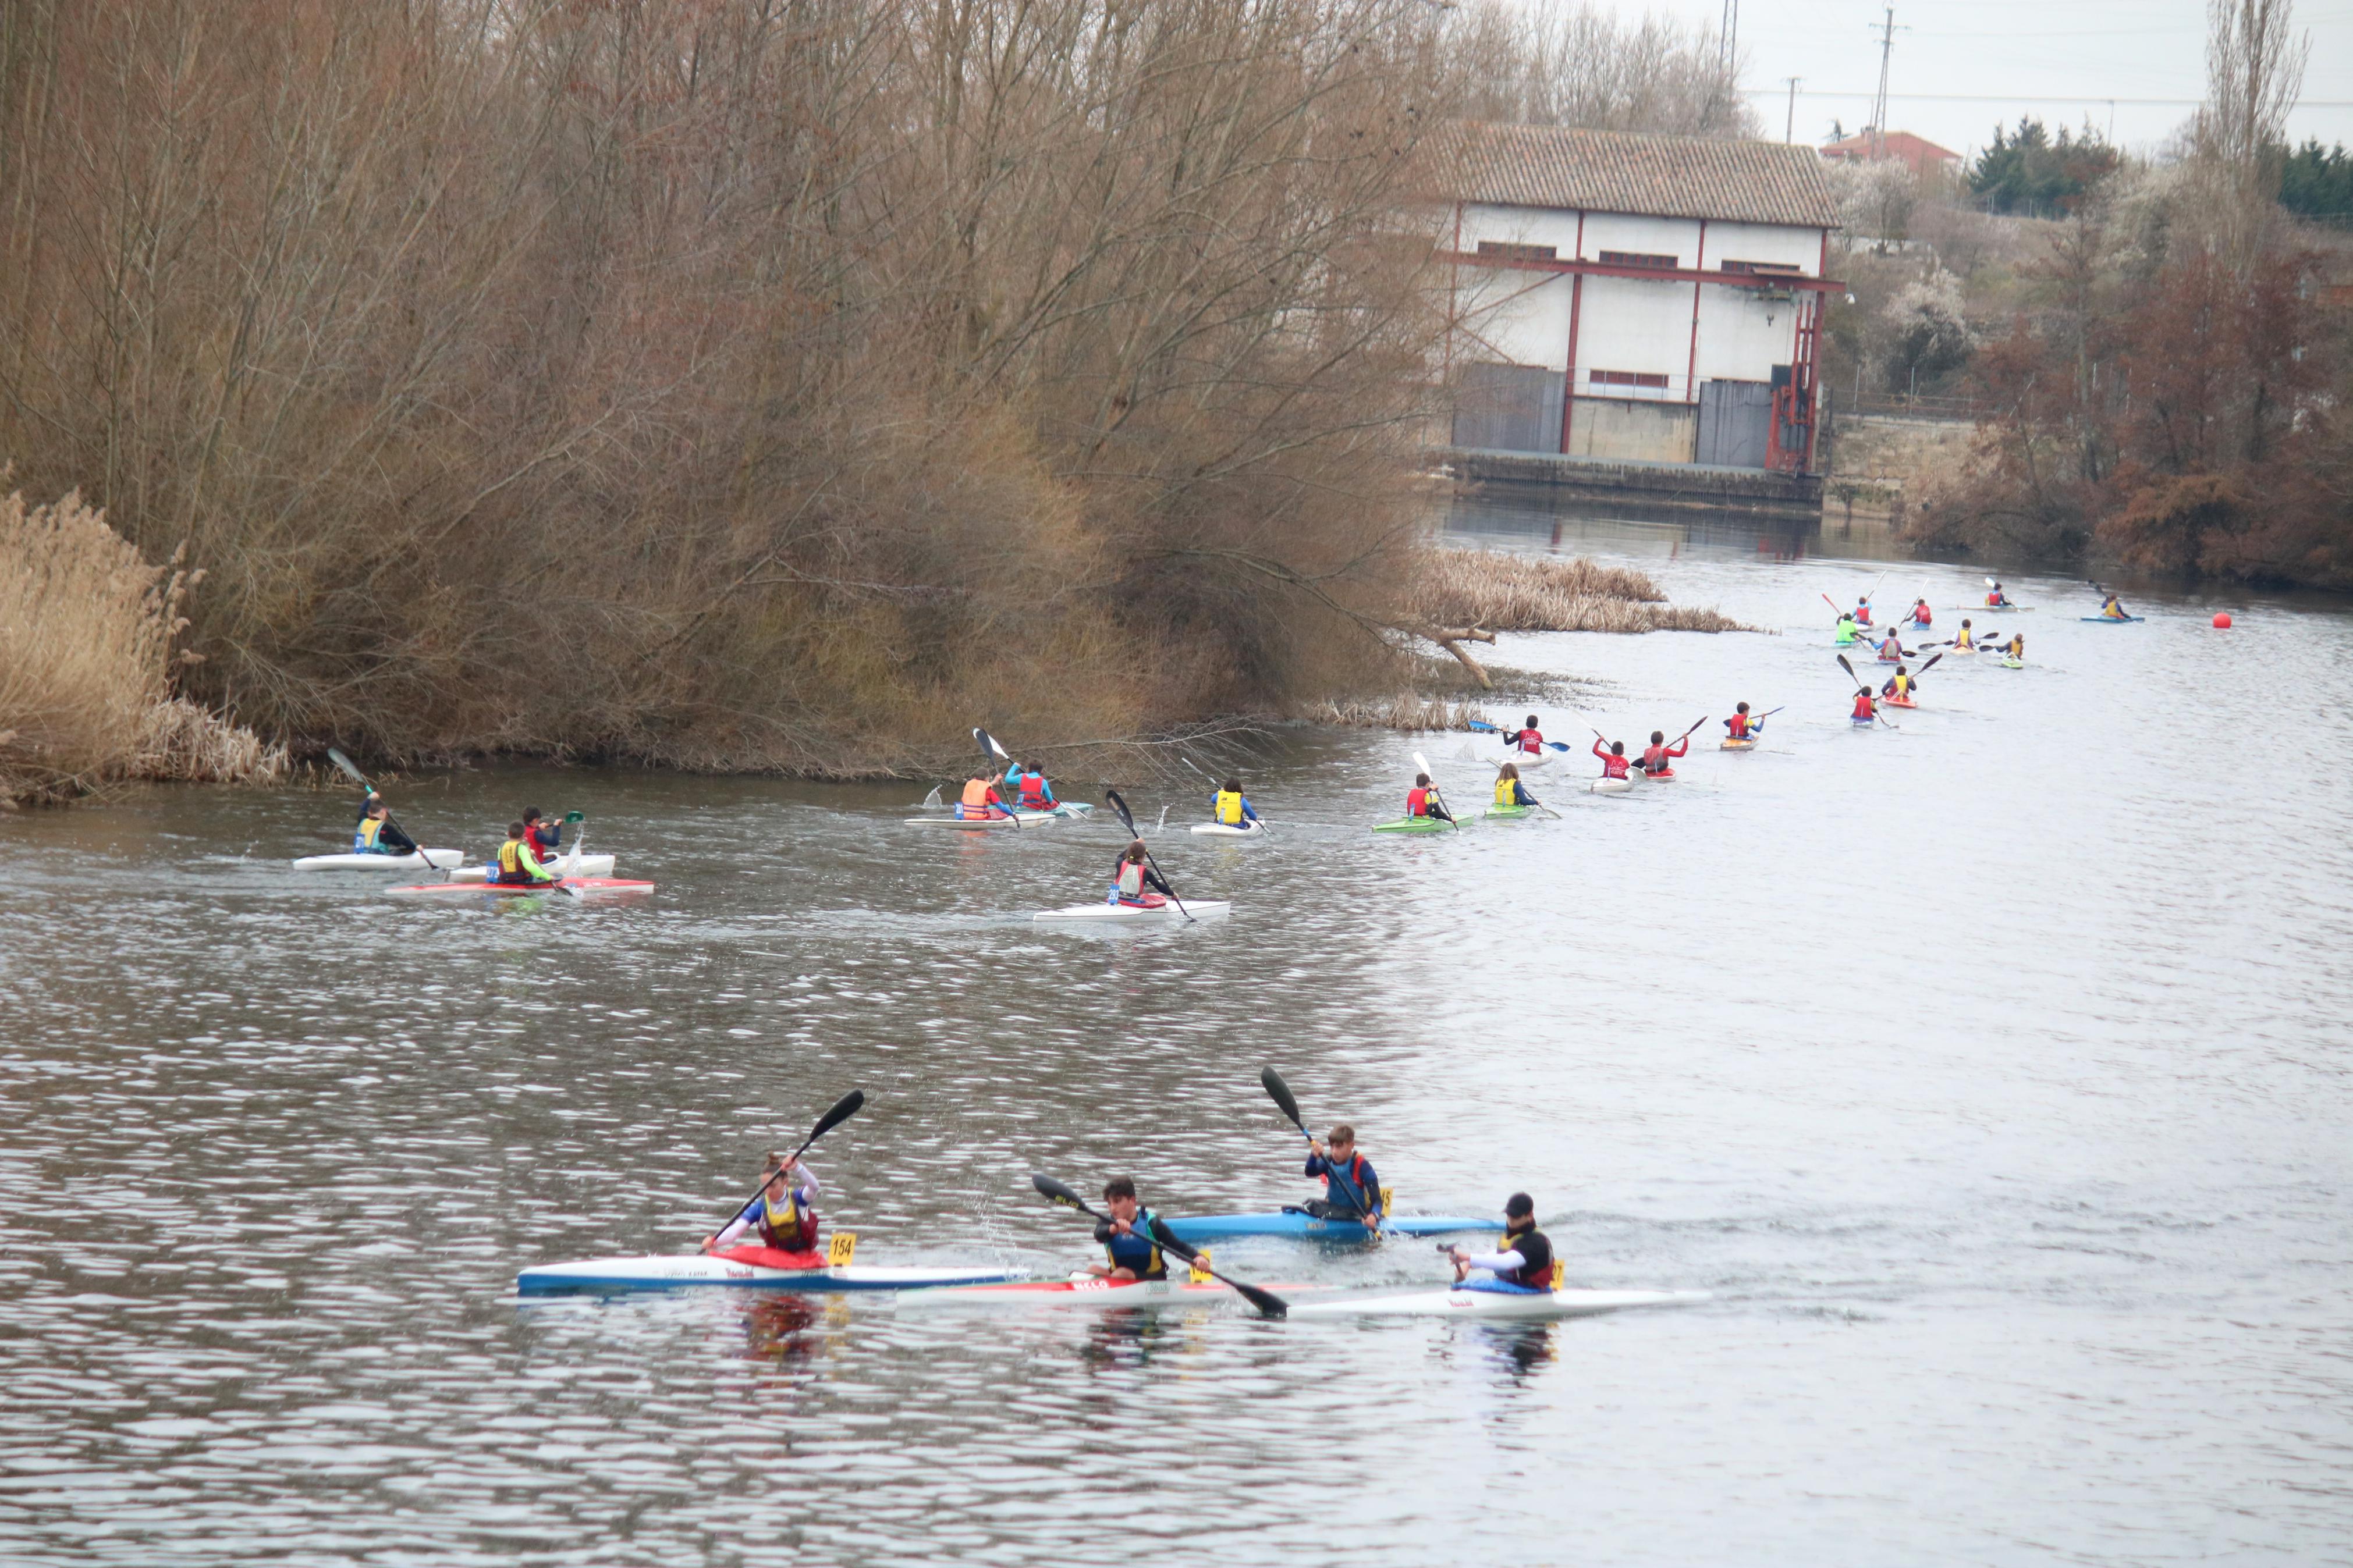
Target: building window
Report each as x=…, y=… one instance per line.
x=1636, y=258
x=1777, y=269
x=1504, y=250
x=1626, y=378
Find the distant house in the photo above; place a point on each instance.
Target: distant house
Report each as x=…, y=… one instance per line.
x=1636, y=299
x=1920, y=155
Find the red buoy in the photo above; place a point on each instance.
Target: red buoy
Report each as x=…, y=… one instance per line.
x=2221, y=620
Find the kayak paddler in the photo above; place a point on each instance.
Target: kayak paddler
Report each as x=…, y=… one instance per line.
x=1922, y=615
x=1742, y=726
x=1132, y=876
x=981, y=800
x=1847, y=633
x=1614, y=764
x=1891, y=649
x=1034, y=793
x=1657, y=757
x=784, y=1211
x=1127, y=1236
x=376, y=834
x=1351, y=1189
x=1529, y=739
x=1522, y=1266
x=546, y=837
x=1509, y=790
x=519, y=864
x=1995, y=598
x=2112, y=608
x=1422, y=800
x=1965, y=639
x=2014, y=648
x=1863, y=611
x=1230, y=807
x=1898, y=685
x=1866, y=707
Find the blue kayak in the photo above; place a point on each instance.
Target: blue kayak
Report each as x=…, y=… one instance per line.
x=1290, y=1222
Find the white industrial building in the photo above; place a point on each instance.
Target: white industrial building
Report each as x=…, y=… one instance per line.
x=1637, y=300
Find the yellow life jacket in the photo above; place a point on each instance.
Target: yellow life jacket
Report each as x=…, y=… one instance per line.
x=787, y=1218
x=1964, y=640
x=1903, y=685
x=1229, y=808
x=1507, y=791
x=510, y=858
x=364, y=839
x=976, y=795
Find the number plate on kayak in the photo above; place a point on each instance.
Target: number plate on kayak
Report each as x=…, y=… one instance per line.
x=841, y=1248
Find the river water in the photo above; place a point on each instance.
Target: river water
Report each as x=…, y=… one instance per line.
x=1991, y=1072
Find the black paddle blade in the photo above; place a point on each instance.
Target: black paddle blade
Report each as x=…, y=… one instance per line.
x=1126, y=816
x=1266, y=1301
x=1280, y=1092
x=843, y=1110
x=1851, y=675
x=988, y=746
x=345, y=763
x=1930, y=665
x=1056, y=1192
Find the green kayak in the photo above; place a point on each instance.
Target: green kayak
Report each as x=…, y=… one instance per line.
x=1414, y=824
x=1511, y=811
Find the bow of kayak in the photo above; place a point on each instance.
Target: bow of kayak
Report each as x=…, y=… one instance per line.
x=1736, y=745
x=1208, y=1227
x=1414, y=824
x=582, y=885
x=2114, y=620
x=1543, y=1306
x=1146, y=914
x=1223, y=830
x=439, y=859
x=1085, y=1293
x=1610, y=786
x=610, y=1275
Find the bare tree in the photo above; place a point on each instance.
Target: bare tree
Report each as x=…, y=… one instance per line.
x=1567, y=62
x=2254, y=73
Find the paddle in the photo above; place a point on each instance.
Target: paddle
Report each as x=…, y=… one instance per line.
x=1266, y=1301
x=353, y=772
x=1484, y=728
x=1861, y=686
x=1280, y=1092
x=1128, y=819
x=843, y=1110
x=1423, y=763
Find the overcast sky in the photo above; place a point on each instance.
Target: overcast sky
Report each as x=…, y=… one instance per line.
x=2137, y=65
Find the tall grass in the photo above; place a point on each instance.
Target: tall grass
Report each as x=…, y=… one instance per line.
x=86, y=633
x=1504, y=592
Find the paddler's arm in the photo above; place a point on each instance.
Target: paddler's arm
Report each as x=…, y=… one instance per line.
x=530, y=863
x=734, y=1228
x=1154, y=881
x=393, y=837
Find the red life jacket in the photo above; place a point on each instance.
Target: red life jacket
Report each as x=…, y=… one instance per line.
x=1738, y=724
x=1417, y=802
x=1863, y=706
x=1033, y=790
x=1613, y=765
x=1920, y=615
x=1532, y=743
x=1862, y=615
x=1653, y=758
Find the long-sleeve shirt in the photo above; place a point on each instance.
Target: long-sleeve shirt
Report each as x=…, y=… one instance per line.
x=804, y=1184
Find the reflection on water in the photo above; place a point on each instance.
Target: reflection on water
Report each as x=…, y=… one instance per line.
x=1989, y=1069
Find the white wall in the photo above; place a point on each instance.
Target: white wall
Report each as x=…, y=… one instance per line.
x=1633, y=323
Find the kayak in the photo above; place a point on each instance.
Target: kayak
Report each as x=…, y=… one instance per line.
x=756, y=1268
x=1736, y=745
x=1146, y=914
x=441, y=860
x=588, y=866
x=1509, y=812
x=1414, y=824
x=1664, y=775
x=1863, y=724
x=1208, y=1227
x=583, y=885
x=1533, y=1307
x=1221, y=830
x=2115, y=620
x=1084, y=1292
x=1996, y=609
x=1610, y=786
x=1898, y=702
x=2009, y=663
x=1527, y=762
x=1894, y=658
x=965, y=823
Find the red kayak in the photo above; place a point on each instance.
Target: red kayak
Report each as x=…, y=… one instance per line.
x=1897, y=702
x=1664, y=775
x=583, y=885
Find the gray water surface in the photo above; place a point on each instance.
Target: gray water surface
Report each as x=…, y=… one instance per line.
x=1991, y=1071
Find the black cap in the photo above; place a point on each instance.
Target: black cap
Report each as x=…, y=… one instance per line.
x=1519, y=1206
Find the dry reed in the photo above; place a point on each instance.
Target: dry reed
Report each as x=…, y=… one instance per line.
x=86, y=630
x=1405, y=710
x=1528, y=594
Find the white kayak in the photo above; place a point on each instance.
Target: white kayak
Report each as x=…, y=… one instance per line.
x=589, y=865
x=1070, y=813
x=611, y=1274
x=1528, y=763
x=440, y=859
x=1221, y=830
x=1541, y=1307
x=1085, y=1293
x=1141, y=914
x=1610, y=786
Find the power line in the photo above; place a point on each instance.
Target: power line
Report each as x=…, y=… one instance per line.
x=2031, y=98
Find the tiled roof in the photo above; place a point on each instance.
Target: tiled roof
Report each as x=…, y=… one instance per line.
x=1900, y=143
x=1650, y=176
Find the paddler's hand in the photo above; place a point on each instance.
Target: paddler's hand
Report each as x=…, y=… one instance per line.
x=1315, y=1147
x=710, y=1243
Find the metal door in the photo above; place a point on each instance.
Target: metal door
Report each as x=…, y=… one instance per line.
x=1735, y=422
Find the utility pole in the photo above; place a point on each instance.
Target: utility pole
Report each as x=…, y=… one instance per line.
x=1887, y=30
x=1727, y=41
x=1790, y=131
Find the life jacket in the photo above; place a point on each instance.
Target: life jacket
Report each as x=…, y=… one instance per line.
x=1903, y=684
x=1228, y=807
x=540, y=836
x=1994, y=599
x=1862, y=615
x=1864, y=707
x=788, y=1226
x=1349, y=1188
x=1654, y=757
x=511, y=868
x=364, y=836
x=1136, y=1251
x=1033, y=789
x=1417, y=802
x=1738, y=725
x=977, y=794
x=1921, y=615
x=1507, y=791
x=1535, y=1271
x=1965, y=639
x=1130, y=879
x=1532, y=743
x=1613, y=765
